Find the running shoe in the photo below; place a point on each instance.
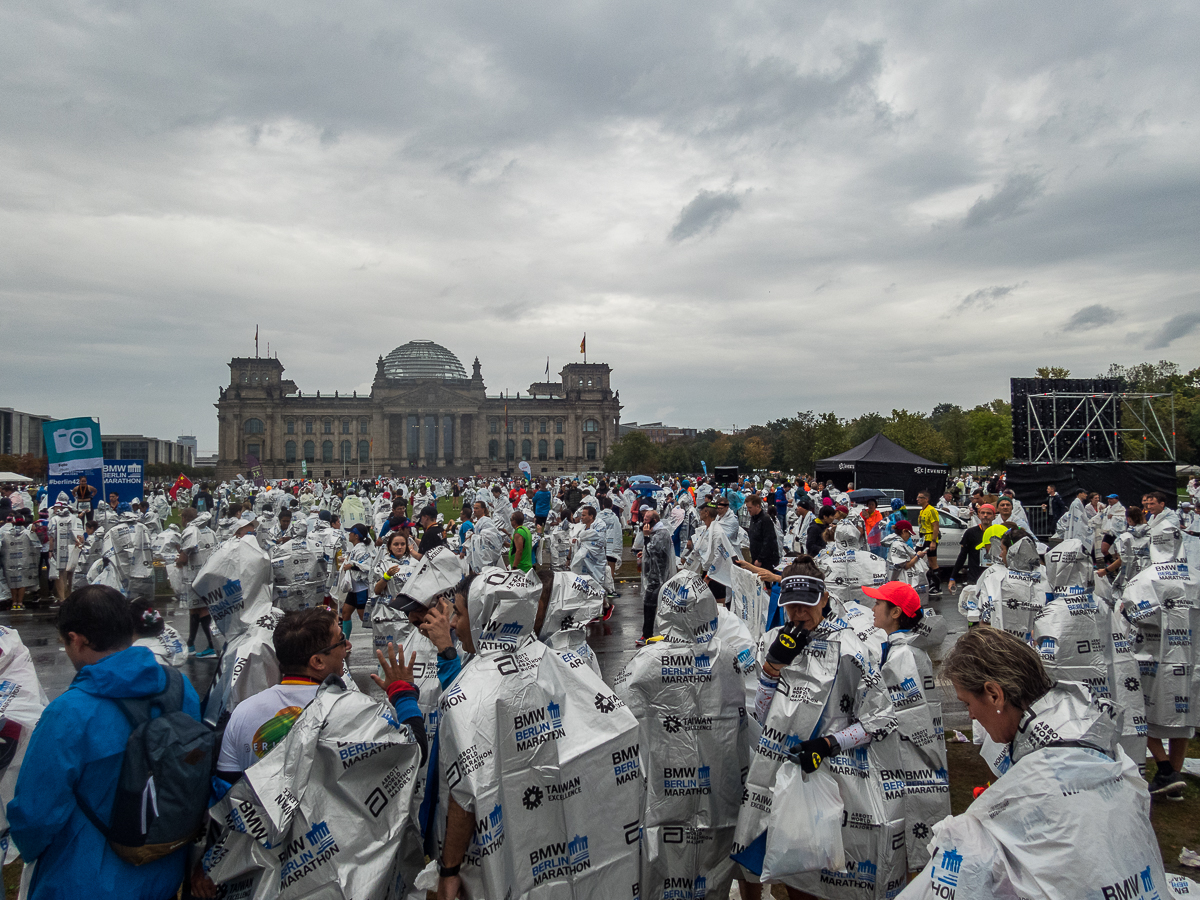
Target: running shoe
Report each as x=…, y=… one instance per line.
x=1167, y=786
x=608, y=611
x=191, y=650
x=206, y=653
x=640, y=642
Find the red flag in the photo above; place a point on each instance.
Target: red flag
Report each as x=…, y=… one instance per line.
x=181, y=482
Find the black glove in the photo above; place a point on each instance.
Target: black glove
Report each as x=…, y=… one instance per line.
x=812, y=753
x=787, y=646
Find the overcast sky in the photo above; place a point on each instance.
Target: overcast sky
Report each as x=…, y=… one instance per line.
x=751, y=208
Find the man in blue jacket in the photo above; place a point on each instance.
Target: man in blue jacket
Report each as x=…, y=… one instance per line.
x=78, y=746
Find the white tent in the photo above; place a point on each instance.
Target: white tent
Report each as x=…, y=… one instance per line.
x=14, y=478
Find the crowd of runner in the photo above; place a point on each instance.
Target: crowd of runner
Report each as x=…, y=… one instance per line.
x=779, y=721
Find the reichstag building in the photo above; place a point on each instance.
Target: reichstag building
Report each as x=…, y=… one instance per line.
x=424, y=412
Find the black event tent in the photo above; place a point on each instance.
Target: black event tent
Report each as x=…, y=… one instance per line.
x=880, y=463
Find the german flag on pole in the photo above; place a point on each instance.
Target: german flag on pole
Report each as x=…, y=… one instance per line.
x=583, y=344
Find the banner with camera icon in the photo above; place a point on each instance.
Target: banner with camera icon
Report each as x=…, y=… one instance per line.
x=73, y=445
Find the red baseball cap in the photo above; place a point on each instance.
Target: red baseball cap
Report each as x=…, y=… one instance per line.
x=897, y=593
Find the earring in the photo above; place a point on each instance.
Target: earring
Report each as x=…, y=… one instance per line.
x=997, y=710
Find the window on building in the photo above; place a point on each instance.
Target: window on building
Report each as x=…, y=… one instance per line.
x=526, y=449
x=558, y=449
x=254, y=426
x=541, y=426
x=310, y=451
x=327, y=427
x=510, y=426
x=493, y=426
x=525, y=425
x=345, y=426
x=308, y=426
x=591, y=425
x=510, y=449
x=493, y=450
x=591, y=450
x=364, y=425
x=364, y=451
x=542, y=450
x=254, y=450
x=289, y=452
x=558, y=426
x=345, y=448
x=245, y=378
x=291, y=426
x=327, y=451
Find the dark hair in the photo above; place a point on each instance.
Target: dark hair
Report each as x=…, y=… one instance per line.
x=606, y=502
x=592, y=509
x=299, y=635
x=147, y=621
x=464, y=586
x=804, y=565
x=907, y=622
x=1160, y=496
x=100, y=614
x=518, y=518
x=755, y=499
x=1135, y=514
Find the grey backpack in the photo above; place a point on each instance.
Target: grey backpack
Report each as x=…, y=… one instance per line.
x=163, y=790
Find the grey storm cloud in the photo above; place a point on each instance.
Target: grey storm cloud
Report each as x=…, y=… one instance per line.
x=706, y=212
x=501, y=178
x=1016, y=191
x=1090, y=317
x=1174, y=328
x=985, y=298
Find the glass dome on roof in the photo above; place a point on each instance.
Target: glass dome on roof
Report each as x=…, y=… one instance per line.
x=423, y=360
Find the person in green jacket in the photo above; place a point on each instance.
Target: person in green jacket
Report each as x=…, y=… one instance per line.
x=520, y=552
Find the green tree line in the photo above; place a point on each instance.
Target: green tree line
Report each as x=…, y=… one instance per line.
x=980, y=436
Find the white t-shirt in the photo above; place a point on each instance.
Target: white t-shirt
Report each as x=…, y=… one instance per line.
x=260, y=722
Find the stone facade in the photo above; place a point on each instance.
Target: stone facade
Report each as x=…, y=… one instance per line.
x=408, y=423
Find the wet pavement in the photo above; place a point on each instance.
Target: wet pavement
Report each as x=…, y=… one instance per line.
x=612, y=642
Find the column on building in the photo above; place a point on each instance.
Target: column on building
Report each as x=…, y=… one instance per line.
x=403, y=440
x=458, y=439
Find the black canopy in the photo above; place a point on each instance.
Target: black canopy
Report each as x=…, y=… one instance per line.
x=880, y=463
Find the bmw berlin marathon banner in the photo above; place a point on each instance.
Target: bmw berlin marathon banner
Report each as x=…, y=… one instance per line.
x=125, y=478
x=73, y=450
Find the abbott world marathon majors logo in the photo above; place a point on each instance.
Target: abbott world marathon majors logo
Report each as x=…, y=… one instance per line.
x=560, y=859
x=304, y=855
x=538, y=726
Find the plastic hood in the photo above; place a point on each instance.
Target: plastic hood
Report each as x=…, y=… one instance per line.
x=687, y=610
x=502, y=608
